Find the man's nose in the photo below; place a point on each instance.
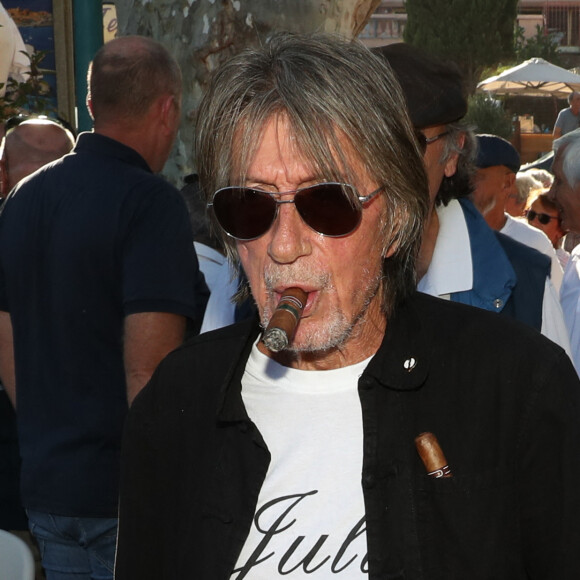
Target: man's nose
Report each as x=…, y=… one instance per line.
x=290, y=236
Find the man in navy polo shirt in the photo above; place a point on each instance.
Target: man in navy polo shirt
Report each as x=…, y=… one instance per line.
x=97, y=277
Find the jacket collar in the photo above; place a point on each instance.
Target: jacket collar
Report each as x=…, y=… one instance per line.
x=404, y=357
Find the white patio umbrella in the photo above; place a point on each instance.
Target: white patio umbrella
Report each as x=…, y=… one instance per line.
x=533, y=77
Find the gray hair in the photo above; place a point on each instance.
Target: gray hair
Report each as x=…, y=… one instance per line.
x=127, y=75
x=572, y=95
x=526, y=185
x=329, y=90
x=571, y=156
x=461, y=183
x=541, y=175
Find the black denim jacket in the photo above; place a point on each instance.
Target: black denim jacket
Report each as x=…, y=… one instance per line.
x=502, y=400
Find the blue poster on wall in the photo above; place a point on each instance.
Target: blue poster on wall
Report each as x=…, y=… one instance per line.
x=34, y=19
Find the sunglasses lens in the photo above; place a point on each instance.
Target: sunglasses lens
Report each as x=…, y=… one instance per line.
x=327, y=209
x=244, y=213
x=543, y=218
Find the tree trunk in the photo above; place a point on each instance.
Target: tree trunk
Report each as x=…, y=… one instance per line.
x=202, y=34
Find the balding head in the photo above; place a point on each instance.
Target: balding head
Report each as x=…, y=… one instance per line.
x=127, y=75
x=30, y=145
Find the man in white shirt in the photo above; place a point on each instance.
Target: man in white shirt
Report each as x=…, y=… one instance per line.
x=565, y=193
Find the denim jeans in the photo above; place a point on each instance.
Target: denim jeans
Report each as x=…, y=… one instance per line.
x=75, y=548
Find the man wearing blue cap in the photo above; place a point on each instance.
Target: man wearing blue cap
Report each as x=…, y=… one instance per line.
x=497, y=163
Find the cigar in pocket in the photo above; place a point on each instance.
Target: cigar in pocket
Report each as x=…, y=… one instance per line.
x=432, y=455
x=282, y=326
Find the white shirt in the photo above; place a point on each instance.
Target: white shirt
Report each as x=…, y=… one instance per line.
x=451, y=270
x=563, y=256
x=222, y=284
x=570, y=299
x=310, y=515
x=523, y=232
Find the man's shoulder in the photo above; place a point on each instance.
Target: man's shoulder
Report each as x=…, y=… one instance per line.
x=459, y=326
x=564, y=113
x=528, y=235
x=523, y=255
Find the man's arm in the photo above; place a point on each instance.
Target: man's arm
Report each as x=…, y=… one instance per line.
x=148, y=338
x=7, y=357
x=557, y=132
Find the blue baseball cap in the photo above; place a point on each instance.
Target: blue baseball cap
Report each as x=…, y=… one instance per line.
x=493, y=150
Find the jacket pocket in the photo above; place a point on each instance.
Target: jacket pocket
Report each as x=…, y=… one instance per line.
x=468, y=526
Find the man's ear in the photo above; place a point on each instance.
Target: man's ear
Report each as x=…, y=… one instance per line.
x=391, y=249
x=90, y=107
x=451, y=164
x=168, y=111
x=509, y=181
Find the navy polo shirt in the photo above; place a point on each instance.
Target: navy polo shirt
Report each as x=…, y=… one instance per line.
x=84, y=242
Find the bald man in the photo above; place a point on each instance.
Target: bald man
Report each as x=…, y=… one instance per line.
x=29, y=146
x=26, y=147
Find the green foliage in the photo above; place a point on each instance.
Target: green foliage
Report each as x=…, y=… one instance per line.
x=541, y=45
x=31, y=96
x=487, y=115
x=472, y=33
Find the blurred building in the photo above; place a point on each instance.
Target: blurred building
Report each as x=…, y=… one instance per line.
x=561, y=18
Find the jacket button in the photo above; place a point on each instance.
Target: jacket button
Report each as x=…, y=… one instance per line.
x=498, y=303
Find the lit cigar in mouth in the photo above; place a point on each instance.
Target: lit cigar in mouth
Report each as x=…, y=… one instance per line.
x=284, y=321
x=432, y=455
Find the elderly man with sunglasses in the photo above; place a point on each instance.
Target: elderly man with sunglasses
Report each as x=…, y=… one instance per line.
x=241, y=461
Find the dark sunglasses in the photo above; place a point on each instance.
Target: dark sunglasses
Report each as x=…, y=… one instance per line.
x=245, y=213
x=543, y=218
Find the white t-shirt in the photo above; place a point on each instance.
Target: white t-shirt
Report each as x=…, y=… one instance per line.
x=309, y=520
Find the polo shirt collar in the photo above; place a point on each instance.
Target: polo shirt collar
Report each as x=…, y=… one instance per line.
x=102, y=145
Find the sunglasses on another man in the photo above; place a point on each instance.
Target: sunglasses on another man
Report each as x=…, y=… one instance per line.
x=331, y=209
x=543, y=218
